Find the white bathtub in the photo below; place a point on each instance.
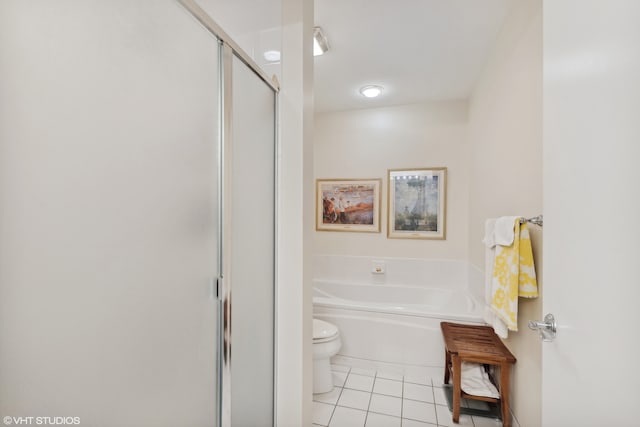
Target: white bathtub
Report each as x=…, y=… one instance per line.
x=393, y=323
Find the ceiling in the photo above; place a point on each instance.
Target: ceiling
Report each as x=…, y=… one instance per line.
x=418, y=50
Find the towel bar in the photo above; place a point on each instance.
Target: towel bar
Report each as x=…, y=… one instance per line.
x=537, y=220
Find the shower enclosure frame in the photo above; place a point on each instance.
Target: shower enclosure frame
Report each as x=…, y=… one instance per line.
x=222, y=285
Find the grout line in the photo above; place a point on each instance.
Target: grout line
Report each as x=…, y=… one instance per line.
x=402, y=401
x=422, y=384
x=339, y=396
x=422, y=401
x=354, y=408
x=388, y=395
x=366, y=416
x=333, y=412
x=433, y=394
x=388, y=364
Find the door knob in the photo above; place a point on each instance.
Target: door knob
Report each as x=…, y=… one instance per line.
x=547, y=329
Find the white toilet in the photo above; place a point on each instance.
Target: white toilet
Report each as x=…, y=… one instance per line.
x=326, y=343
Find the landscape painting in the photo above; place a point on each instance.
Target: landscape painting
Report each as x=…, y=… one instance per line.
x=348, y=205
x=417, y=203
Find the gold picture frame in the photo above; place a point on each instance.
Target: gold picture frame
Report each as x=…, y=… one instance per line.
x=416, y=203
x=348, y=205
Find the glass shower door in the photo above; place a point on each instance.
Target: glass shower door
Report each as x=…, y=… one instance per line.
x=109, y=223
x=252, y=240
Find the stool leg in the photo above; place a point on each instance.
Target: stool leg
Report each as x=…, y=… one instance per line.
x=457, y=390
x=504, y=394
x=447, y=365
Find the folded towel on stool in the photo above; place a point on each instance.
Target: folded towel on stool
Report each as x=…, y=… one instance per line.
x=475, y=381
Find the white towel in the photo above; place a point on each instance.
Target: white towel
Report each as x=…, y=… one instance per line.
x=504, y=230
x=490, y=252
x=475, y=381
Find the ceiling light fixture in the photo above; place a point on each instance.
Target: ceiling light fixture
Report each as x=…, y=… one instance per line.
x=371, y=91
x=272, y=55
x=320, y=43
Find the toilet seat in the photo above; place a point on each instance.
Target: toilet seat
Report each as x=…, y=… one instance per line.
x=323, y=331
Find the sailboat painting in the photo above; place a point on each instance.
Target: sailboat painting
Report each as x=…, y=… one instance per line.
x=417, y=203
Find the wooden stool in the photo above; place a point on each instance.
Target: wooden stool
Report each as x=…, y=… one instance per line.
x=477, y=344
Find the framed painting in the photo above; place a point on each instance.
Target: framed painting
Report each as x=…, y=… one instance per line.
x=348, y=205
x=417, y=203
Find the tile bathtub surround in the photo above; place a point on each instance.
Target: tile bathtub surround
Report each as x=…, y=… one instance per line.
x=367, y=397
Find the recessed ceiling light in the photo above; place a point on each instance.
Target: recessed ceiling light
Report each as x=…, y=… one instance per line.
x=320, y=43
x=371, y=91
x=272, y=55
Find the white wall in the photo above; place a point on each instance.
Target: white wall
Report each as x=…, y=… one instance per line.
x=365, y=143
x=295, y=219
x=505, y=135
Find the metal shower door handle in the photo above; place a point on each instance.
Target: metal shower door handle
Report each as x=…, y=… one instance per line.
x=546, y=329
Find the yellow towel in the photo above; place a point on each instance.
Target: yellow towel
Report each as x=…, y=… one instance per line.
x=514, y=275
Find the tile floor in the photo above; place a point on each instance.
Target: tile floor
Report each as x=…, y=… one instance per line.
x=388, y=397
